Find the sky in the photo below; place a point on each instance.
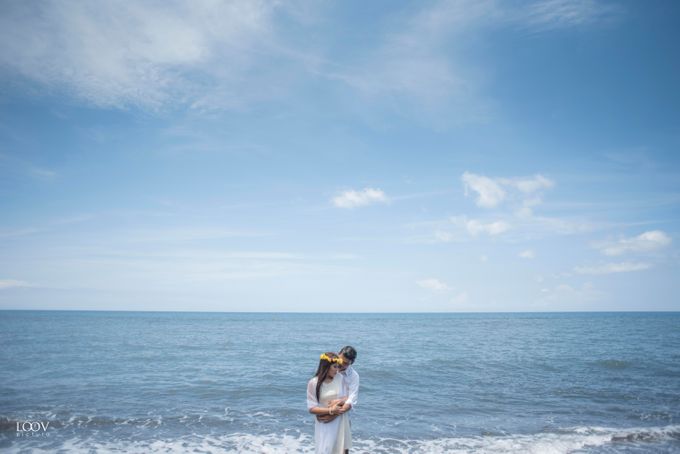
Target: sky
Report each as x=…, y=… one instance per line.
x=434, y=156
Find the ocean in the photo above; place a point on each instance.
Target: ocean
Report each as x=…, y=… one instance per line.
x=166, y=382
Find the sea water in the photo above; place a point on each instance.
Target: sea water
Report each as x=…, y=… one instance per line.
x=153, y=382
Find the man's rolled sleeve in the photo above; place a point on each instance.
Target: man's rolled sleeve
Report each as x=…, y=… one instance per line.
x=353, y=387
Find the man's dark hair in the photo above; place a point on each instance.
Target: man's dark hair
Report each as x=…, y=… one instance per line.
x=349, y=353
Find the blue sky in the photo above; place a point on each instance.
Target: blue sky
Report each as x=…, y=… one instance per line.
x=340, y=156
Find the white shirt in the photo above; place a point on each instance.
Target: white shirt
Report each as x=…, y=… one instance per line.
x=351, y=385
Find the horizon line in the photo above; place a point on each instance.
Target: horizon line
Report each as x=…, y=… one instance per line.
x=340, y=313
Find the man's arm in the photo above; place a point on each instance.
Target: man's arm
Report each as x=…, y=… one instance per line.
x=353, y=390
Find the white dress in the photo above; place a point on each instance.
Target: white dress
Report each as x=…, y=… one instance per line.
x=333, y=437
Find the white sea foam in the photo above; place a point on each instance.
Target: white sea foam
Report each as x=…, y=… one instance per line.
x=565, y=441
x=562, y=442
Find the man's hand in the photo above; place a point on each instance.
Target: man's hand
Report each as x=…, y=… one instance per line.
x=345, y=408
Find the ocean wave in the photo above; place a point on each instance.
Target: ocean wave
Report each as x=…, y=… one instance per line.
x=563, y=441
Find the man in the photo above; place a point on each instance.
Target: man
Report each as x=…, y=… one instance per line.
x=348, y=355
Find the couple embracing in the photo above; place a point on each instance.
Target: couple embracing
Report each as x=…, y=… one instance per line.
x=331, y=394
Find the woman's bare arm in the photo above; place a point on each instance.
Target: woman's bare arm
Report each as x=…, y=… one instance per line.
x=333, y=408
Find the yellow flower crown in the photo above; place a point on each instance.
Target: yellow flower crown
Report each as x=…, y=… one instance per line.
x=331, y=360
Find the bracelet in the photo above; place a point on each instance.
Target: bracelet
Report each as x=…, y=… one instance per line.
x=330, y=411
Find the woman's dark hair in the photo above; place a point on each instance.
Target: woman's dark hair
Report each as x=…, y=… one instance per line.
x=349, y=353
x=322, y=370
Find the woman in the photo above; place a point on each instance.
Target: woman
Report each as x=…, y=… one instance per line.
x=325, y=396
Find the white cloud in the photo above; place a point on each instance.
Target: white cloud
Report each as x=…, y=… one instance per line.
x=527, y=210
x=147, y=54
x=489, y=192
x=433, y=284
x=528, y=185
x=443, y=236
x=461, y=228
x=418, y=59
x=414, y=63
x=475, y=227
x=645, y=242
x=527, y=254
x=12, y=283
x=553, y=14
x=515, y=198
x=524, y=193
x=610, y=268
x=518, y=228
x=353, y=199
x=225, y=54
